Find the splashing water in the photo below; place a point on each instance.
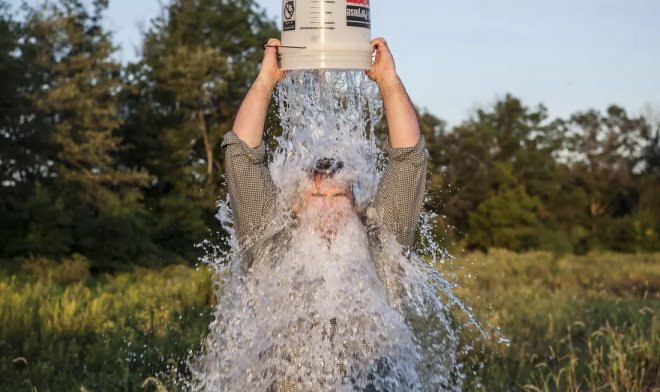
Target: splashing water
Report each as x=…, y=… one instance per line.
x=312, y=314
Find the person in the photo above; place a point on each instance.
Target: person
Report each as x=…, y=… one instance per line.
x=252, y=193
x=253, y=196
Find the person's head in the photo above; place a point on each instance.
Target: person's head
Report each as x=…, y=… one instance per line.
x=325, y=183
x=328, y=199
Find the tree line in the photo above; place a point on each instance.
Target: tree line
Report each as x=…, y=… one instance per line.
x=120, y=163
x=512, y=177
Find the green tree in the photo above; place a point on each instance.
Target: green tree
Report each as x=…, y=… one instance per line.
x=45, y=225
x=79, y=101
x=10, y=162
x=647, y=215
x=199, y=60
x=506, y=219
x=25, y=146
x=606, y=152
x=468, y=162
x=434, y=131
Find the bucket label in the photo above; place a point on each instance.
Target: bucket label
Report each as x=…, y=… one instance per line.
x=289, y=15
x=357, y=13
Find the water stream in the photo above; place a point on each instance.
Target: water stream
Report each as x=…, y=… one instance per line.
x=312, y=314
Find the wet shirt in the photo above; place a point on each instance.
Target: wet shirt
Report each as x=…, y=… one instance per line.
x=253, y=195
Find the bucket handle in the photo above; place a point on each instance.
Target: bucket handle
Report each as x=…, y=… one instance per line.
x=285, y=46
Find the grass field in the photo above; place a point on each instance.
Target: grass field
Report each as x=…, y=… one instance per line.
x=587, y=323
x=105, y=333
x=576, y=323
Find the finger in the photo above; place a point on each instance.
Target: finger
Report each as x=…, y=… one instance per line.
x=379, y=43
x=272, y=45
x=273, y=42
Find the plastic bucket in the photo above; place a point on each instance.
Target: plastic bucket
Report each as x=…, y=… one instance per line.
x=331, y=34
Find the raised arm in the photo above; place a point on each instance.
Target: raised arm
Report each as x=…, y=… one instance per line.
x=252, y=193
x=399, y=111
x=401, y=190
x=249, y=123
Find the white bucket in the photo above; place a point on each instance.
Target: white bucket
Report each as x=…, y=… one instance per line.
x=331, y=34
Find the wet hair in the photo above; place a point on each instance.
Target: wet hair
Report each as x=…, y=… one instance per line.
x=326, y=167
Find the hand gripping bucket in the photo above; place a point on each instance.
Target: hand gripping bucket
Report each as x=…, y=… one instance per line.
x=330, y=34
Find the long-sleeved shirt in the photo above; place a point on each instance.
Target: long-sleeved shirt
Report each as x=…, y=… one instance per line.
x=253, y=195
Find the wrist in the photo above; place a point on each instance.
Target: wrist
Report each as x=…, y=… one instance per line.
x=265, y=82
x=389, y=79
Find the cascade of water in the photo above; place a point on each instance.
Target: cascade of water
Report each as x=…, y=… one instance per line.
x=313, y=315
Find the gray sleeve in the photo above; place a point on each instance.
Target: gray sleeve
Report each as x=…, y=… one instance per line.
x=400, y=194
x=252, y=193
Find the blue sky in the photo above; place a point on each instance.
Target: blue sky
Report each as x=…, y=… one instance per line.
x=458, y=55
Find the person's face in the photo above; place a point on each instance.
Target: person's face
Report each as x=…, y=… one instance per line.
x=329, y=188
x=328, y=203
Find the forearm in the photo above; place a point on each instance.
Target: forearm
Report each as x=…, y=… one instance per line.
x=400, y=194
x=251, y=189
x=251, y=117
x=399, y=112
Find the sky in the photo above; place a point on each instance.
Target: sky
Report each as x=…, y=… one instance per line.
x=455, y=56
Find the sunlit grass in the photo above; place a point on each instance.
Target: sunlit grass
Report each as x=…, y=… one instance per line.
x=104, y=333
x=576, y=323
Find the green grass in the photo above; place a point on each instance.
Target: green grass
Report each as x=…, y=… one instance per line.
x=587, y=323
x=61, y=330
x=576, y=323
